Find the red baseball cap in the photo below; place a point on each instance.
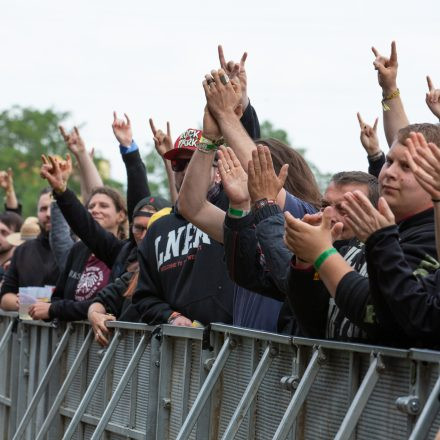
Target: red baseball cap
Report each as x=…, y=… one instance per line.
x=187, y=141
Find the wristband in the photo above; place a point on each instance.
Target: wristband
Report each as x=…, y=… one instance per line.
x=392, y=95
x=237, y=213
x=375, y=156
x=327, y=253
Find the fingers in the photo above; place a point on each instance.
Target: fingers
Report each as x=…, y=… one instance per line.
x=63, y=133
x=153, y=128
x=115, y=118
x=282, y=176
x=361, y=122
x=262, y=157
x=375, y=125
x=221, y=57
x=251, y=172
x=256, y=162
x=168, y=129
x=385, y=210
x=127, y=118
x=376, y=52
x=243, y=60
x=393, y=56
x=430, y=84
x=326, y=222
x=222, y=169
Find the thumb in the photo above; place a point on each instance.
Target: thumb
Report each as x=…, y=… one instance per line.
x=10, y=173
x=379, y=67
x=283, y=174
x=385, y=210
x=337, y=231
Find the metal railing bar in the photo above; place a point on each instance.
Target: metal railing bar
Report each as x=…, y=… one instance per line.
x=428, y=414
x=70, y=431
x=183, y=332
x=205, y=391
x=6, y=401
x=139, y=326
x=300, y=395
x=360, y=400
x=131, y=367
x=65, y=385
x=111, y=427
x=5, y=338
x=44, y=382
x=250, y=393
x=250, y=333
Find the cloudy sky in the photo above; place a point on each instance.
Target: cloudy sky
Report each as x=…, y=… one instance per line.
x=309, y=65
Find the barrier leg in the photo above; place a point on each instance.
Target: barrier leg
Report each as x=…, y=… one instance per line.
x=44, y=381
x=300, y=395
x=360, y=399
x=428, y=414
x=131, y=367
x=66, y=384
x=250, y=393
x=206, y=389
x=92, y=386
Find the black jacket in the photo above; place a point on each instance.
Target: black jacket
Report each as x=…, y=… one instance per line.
x=356, y=295
x=94, y=239
x=412, y=296
x=32, y=264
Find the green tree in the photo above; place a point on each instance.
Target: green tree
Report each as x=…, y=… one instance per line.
x=268, y=130
x=157, y=176
x=26, y=134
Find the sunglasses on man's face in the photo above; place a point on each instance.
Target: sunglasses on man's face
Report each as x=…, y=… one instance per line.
x=179, y=164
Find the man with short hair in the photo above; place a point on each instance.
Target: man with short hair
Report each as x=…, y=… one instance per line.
x=346, y=283
x=32, y=263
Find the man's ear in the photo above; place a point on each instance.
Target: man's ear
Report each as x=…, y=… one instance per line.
x=217, y=178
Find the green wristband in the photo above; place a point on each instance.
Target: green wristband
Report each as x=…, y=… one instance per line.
x=327, y=253
x=238, y=213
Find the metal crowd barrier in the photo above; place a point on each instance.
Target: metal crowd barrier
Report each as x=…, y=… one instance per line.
x=221, y=382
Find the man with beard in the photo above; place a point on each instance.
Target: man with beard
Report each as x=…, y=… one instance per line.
x=32, y=263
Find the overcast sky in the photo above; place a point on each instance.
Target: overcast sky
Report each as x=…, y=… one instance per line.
x=309, y=65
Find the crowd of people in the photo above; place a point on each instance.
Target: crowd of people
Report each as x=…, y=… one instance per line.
x=246, y=238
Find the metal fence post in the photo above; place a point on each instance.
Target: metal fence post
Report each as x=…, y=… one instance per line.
x=250, y=393
x=65, y=386
x=318, y=358
x=44, y=381
x=92, y=386
x=134, y=361
x=361, y=398
x=206, y=389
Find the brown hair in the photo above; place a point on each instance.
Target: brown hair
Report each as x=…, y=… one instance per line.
x=119, y=203
x=300, y=180
x=431, y=132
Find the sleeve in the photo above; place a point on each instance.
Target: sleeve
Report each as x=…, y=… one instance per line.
x=59, y=236
x=148, y=297
x=270, y=236
x=309, y=301
x=137, y=181
x=375, y=165
x=111, y=296
x=11, y=278
x=244, y=259
x=250, y=122
x=101, y=242
x=18, y=210
x=414, y=302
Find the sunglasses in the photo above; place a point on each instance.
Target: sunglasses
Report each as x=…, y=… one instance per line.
x=179, y=164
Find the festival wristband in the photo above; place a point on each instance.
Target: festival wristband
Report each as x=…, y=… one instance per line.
x=237, y=213
x=392, y=95
x=173, y=317
x=327, y=253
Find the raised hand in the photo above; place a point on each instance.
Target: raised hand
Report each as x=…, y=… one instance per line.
x=386, y=70
x=6, y=180
x=308, y=242
x=234, y=179
x=122, y=130
x=363, y=217
x=369, y=139
x=263, y=183
x=73, y=140
x=433, y=98
x=424, y=161
x=223, y=96
x=162, y=142
x=236, y=70
x=211, y=130
x=56, y=172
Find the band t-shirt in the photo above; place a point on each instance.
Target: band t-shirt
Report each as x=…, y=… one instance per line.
x=94, y=277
